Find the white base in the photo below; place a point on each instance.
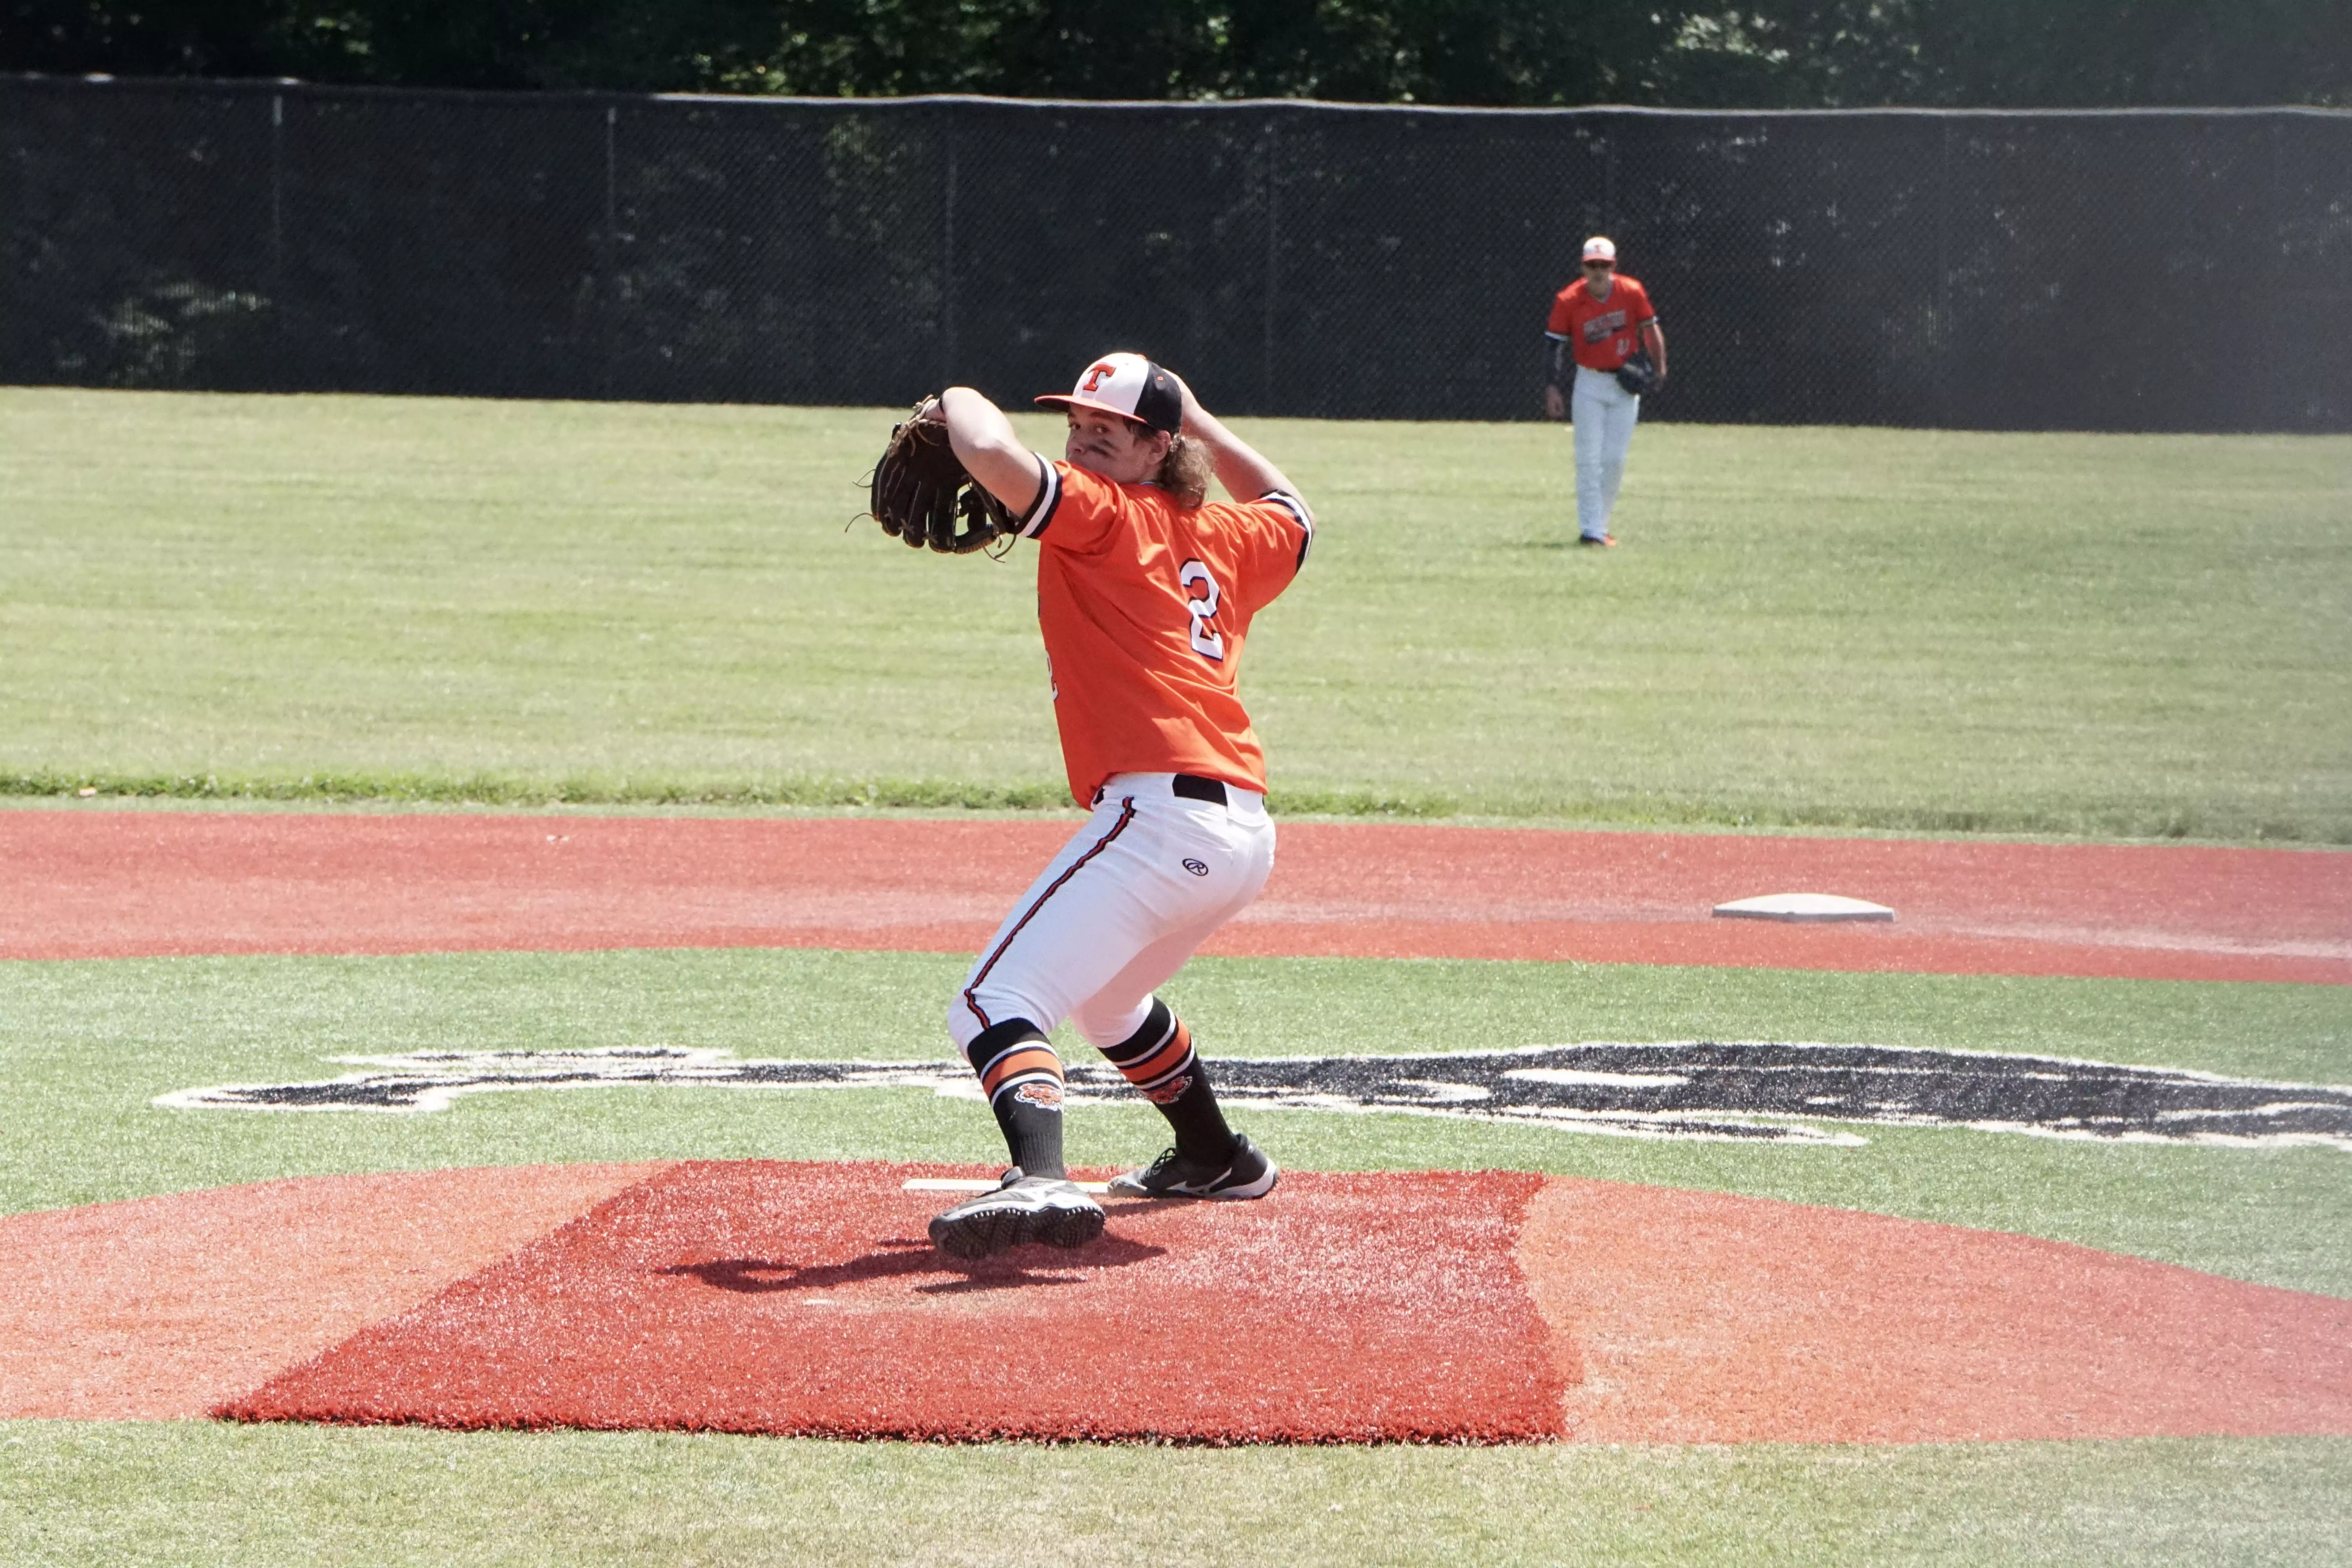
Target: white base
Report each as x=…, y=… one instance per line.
x=1804, y=906
x=976, y=1185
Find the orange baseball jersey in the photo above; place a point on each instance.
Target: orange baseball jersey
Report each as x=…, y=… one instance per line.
x=1145, y=606
x=1602, y=333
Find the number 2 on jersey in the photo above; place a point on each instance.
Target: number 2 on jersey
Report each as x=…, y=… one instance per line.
x=1206, y=640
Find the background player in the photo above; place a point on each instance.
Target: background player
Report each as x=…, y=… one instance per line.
x=1145, y=595
x=1600, y=321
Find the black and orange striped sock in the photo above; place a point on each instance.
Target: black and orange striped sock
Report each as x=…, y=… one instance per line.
x=1159, y=1060
x=1022, y=1079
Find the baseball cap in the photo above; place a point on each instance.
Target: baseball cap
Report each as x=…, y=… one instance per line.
x=1600, y=248
x=1130, y=386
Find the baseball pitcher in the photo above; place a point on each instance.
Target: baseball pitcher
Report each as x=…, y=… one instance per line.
x=1146, y=590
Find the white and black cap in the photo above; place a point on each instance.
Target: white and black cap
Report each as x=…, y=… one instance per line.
x=1129, y=386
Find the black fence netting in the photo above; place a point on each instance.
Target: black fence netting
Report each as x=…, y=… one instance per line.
x=2156, y=271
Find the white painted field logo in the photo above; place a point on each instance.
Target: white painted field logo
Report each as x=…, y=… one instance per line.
x=1751, y=1091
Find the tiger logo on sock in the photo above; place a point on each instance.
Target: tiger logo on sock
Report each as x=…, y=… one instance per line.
x=1169, y=1093
x=1040, y=1093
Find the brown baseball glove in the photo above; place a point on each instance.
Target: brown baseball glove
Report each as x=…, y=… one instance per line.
x=920, y=492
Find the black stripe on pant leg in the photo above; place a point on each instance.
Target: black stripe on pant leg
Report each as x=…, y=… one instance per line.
x=1125, y=815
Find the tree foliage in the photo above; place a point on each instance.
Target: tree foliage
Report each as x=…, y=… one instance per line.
x=1766, y=53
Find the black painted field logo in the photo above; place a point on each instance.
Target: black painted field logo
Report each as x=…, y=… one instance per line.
x=1757, y=1092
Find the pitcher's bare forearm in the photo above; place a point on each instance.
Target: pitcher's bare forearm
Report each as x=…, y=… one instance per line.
x=986, y=446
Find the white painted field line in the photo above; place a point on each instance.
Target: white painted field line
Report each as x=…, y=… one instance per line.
x=972, y=1185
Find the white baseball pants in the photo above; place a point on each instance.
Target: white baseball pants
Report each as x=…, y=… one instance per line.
x=1118, y=911
x=1604, y=414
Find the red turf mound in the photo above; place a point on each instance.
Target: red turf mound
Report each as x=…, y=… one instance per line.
x=765, y=1297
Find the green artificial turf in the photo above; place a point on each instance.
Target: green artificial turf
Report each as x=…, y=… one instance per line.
x=76, y=1494
x=442, y=600
x=85, y=1046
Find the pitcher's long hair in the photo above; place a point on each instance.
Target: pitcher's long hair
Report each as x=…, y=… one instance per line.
x=1186, y=470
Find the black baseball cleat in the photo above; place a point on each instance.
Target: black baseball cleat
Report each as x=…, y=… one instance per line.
x=1245, y=1174
x=1605, y=541
x=1023, y=1208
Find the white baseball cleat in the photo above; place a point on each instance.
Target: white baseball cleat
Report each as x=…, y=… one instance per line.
x=1022, y=1208
x=1245, y=1174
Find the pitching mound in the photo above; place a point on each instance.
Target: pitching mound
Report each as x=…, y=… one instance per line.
x=765, y=1297
x=806, y=1298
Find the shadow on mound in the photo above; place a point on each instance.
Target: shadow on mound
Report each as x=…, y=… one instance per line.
x=902, y=1257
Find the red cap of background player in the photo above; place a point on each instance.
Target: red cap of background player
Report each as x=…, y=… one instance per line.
x=1129, y=386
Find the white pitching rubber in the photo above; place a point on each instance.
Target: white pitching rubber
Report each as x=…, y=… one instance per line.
x=1809, y=907
x=975, y=1184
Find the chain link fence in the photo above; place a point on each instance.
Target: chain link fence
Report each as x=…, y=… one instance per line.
x=2144, y=270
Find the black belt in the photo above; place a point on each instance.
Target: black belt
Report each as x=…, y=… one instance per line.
x=1191, y=786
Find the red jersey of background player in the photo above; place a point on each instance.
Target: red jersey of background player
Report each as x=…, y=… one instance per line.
x=1144, y=605
x=1602, y=333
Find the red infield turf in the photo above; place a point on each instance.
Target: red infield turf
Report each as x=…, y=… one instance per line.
x=107, y=884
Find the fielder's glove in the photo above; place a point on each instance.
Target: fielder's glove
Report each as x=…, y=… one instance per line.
x=1638, y=375
x=920, y=492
